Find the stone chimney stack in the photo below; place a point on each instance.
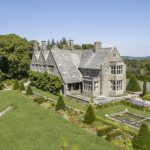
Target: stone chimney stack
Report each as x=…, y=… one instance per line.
x=36, y=46
x=97, y=46
x=71, y=45
x=43, y=45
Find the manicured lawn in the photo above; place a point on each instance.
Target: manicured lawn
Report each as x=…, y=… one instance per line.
x=31, y=127
x=68, y=101
x=119, y=108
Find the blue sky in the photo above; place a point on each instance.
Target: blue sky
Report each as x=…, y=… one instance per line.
x=121, y=23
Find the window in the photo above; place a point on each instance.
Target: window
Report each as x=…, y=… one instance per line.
x=114, y=54
x=116, y=85
x=50, y=68
x=116, y=69
x=87, y=85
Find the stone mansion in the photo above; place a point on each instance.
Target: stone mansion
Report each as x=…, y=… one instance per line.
x=98, y=71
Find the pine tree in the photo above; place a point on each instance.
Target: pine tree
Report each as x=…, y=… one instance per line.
x=133, y=85
x=90, y=115
x=16, y=85
x=142, y=140
x=144, y=88
x=22, y=88
x=29, y=91
x=60, y=103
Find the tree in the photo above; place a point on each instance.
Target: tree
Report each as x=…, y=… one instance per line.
x=133, y=85
x=90, y=115
x=22, y=88
x=29, y=91
x=15, y=53
x=60, y=103
x=144, y=88
x=142, y=140
x=16, y=85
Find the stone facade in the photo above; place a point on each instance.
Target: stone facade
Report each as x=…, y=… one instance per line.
x=98, y=71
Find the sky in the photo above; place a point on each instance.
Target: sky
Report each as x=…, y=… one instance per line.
x=124, y=24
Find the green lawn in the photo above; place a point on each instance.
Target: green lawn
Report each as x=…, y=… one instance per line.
x=119, y=108
x=68, y=101
x=31, y=127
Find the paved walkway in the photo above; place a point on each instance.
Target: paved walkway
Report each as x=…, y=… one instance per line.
x=6, y=110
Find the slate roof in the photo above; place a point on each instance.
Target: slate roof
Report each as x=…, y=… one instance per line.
x=94, y=60
x=69, y=61
x=67, y=68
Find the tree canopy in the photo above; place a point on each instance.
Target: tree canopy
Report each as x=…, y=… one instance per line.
x=15, y=53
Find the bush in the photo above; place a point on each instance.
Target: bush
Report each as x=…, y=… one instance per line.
x=142, y=140
x=29, y=91
x=147, y=97
x=22, y=88
x=90, y=115
x=60, y=103
x=46, y=82
x=101, y=131
x=133, y=85
x=15, y=85
x=1, y=85
x=144, y=88
x=113, y=134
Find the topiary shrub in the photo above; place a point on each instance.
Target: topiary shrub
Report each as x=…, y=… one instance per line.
x=60, y=103
x=29, y=91
x=142, y=140
x=90, y=115
x=22, y=88
x=101, y=131
x=144, y=88
x=133, y=85
x=15, y=85
x=113, y=134
x=147, y=97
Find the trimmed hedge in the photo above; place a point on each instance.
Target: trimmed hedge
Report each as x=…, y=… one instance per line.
x=147, y=97
x=29, y=91
x=46, y=82
x=101, y=131
x=16, y=85
x=142, y=78
x=112, y=135
x=60, y=103
x=90, y=116
x=133, y=85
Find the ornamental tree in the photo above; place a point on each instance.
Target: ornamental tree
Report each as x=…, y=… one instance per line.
x=60, y=103
x=133, y=85
x=29, y=91
x=22, y=88
x=144, y=88
x=16, y=85
x=90, y=116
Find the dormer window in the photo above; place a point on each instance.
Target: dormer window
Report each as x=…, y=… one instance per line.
x=114, y=54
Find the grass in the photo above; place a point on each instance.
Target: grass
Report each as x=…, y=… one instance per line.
x=68, y=101
x=119, y=108
x=30, y=127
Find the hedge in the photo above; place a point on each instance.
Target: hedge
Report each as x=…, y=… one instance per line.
x=142, y=78
x=112, y=135
x=46, y=82
x=147, y=97
x=101, y=131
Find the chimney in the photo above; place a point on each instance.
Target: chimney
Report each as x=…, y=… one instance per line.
x=71, y=45
x=97, y=46
x=36, y=46
x=43, y=45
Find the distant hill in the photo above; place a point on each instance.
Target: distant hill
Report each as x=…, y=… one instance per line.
x=137, y=58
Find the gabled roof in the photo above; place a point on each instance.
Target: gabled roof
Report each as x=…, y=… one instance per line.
x=37, y=54
x=68, y=70
x=94, y=60
x=45, y=54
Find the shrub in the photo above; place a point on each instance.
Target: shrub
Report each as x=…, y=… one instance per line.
x=22, y=88
x=29, y=91
x=101, y=131
x=1, y=85
x=113, y=134
x=15, y=85
x=133, y=85
x=90, y=115
x=147, y=97
x=144, y=88
x=142, y=140
x=60, y=103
